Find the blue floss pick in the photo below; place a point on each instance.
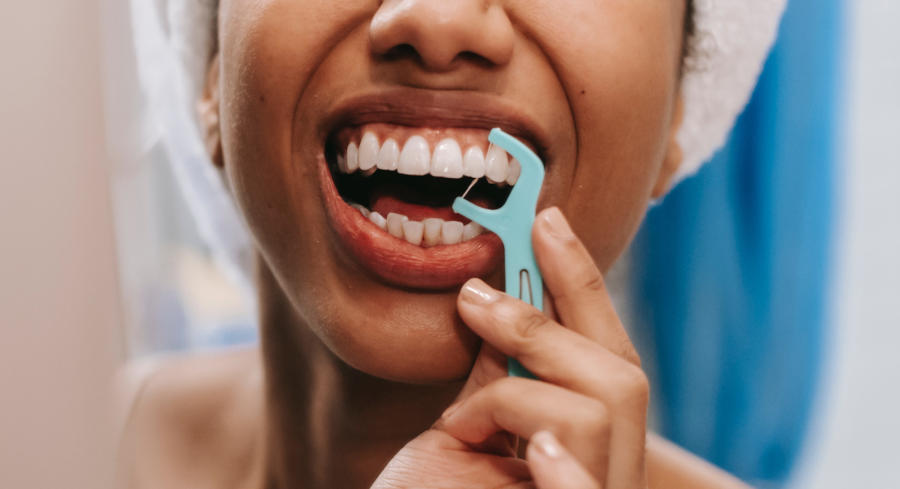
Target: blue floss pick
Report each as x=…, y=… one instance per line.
x=512, y=223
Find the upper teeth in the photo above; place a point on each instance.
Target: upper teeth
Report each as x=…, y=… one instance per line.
x=447, y=159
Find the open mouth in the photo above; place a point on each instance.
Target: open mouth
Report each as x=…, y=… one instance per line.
x=394, y=162
x=404, y=180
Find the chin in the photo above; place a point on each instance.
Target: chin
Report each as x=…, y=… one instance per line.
x=417, y=339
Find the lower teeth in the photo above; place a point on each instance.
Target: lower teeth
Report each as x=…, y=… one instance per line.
x=426, y=233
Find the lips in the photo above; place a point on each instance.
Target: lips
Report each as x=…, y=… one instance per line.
x=430, y=109
x=393, y=164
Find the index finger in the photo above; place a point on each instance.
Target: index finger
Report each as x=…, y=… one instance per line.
x=576, y=284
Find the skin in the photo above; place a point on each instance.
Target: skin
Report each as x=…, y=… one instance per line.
x=354, y=374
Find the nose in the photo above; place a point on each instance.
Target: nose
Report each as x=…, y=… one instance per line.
x=442, y=32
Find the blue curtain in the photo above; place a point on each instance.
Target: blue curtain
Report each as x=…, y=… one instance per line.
x=731, y=270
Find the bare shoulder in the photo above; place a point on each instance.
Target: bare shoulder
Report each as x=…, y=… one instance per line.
x=193, y=421
x=671, y=467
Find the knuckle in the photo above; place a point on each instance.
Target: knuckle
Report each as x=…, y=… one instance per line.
x=634, y=391
x=531, y=324
x=599, y=425
x=626, y=350
x=592, y=280
x=586, y=283
x=584, y=286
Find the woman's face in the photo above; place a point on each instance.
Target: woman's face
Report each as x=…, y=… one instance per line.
x=307, y=88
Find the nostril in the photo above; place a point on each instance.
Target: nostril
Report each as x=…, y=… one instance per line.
x=475, y=58
x=402, y=51
x=408, y=52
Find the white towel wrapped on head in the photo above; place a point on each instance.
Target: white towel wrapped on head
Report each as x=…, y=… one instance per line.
x=726, y=56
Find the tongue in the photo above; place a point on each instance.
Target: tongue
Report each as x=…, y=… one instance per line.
x=385, y=204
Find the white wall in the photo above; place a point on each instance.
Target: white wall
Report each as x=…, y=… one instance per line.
x=58, y=291
x=858, y=438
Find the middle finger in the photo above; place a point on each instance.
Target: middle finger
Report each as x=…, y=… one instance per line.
x=576, y=284
x=552, y=352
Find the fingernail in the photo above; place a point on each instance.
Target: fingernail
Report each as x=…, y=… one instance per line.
x=547, y=444
x=478, y=292
x=556, y=223
x=450, y=410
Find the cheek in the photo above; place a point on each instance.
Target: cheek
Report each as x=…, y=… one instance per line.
x=268, y=56
x=621, y=83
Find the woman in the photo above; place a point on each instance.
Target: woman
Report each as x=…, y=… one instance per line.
x=383, y=332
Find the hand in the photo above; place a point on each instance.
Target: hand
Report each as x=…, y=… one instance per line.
x=585, y=417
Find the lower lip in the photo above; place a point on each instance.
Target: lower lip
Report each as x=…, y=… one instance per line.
x=398, y=262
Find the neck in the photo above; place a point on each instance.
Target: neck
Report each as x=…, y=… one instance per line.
x=329, y=425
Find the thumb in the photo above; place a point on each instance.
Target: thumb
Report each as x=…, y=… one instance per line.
x=490, y=365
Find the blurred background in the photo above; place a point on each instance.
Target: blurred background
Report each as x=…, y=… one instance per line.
x=762, y=290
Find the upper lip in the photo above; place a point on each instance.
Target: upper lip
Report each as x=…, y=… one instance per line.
x=430, y=108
